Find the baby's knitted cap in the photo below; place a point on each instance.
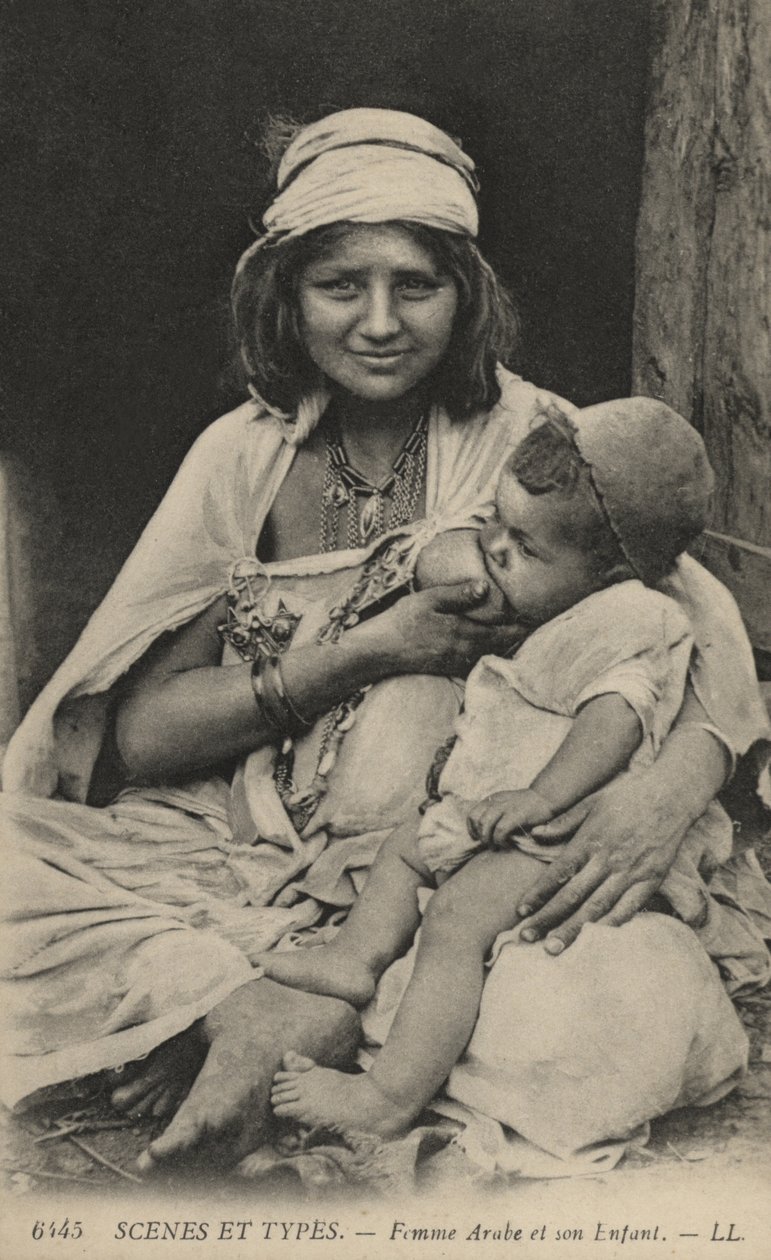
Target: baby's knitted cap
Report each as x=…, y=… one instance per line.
x=651, y=472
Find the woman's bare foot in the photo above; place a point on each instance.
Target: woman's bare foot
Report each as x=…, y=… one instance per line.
x=323, y=969
x=156, y=1085
x=226, y=1114
x=318, y=1096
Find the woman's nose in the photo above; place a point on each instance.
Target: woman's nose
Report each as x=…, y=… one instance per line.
x=380, y=319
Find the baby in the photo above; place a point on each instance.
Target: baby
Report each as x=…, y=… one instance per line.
x=589, y=510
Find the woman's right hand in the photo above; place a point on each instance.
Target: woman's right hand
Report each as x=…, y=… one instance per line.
x=430, y=632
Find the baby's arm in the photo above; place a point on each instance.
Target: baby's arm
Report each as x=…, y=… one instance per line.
x=602, y=739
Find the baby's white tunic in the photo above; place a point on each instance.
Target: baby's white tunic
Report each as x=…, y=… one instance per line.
x=625, y=640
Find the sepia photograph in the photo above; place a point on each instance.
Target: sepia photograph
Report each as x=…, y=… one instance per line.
x=385, y=628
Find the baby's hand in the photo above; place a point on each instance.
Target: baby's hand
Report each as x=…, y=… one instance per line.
x=498, y=820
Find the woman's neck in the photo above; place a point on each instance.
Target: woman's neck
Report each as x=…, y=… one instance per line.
x=373, y=433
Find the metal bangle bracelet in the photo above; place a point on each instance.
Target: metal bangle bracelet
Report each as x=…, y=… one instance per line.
x=301, y=723
x=272, y=699
x=264, y=709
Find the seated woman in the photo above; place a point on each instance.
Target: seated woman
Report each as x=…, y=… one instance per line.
x=254, y=626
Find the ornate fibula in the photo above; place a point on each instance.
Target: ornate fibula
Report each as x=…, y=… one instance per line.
x=248, y=627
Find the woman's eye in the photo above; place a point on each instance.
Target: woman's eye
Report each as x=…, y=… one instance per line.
x=338, y=286
x=417, y=286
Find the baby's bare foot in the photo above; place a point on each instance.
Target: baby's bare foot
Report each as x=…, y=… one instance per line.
x=156, y=1085
x=321, y=1097
x=323, y=969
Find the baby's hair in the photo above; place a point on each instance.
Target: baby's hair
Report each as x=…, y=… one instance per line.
x=548, y=458
x=547, y=461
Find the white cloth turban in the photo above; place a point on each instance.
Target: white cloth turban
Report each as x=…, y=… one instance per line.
x=371, y=166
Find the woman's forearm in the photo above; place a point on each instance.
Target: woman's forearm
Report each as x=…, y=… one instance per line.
x=182, y=711
x=690, y=769
x=178, y=722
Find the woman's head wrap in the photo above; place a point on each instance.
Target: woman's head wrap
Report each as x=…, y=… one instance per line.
x=650, y=470
x=370, y=166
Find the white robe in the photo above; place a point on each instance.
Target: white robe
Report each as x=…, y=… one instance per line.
x=130, y=922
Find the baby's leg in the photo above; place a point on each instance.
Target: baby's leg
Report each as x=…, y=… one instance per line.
x=379, y=928
x=437, y=1014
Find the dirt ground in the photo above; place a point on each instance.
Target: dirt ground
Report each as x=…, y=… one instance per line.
x=721, y=1140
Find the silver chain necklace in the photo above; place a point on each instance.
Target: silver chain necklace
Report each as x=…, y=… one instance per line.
x=344, y=486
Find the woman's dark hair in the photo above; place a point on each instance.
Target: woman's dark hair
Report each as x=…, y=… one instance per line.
x=267, y=325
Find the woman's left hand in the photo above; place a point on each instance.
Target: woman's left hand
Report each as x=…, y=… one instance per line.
x=625, y=838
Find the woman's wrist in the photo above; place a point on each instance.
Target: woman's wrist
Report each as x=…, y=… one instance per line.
x=375, y=652
x=274, y=704
x=317, y=678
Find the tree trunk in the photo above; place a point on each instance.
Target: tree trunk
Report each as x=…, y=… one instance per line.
x=701, y=332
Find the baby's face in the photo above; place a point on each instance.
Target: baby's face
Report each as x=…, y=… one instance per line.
x=534, y=552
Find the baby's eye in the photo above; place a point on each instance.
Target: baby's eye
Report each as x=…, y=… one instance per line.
x=524, y=550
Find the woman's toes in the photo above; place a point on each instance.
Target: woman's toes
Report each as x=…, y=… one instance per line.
x=165, y=1104
x=144, y=1106
x=140, y=1090
x=127, y=1096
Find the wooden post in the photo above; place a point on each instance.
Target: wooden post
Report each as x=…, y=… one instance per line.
x=702, y=340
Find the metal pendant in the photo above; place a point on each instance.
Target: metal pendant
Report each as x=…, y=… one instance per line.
x=337, y=495
x=371, y=513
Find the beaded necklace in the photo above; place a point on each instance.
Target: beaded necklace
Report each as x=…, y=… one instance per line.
x=344, y=485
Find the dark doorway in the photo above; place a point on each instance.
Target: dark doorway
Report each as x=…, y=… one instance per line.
x=134, y=169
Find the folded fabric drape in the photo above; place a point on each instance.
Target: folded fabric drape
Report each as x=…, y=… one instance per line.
x=370, y=166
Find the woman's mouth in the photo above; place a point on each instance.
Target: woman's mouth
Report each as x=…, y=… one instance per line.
x=379, y=358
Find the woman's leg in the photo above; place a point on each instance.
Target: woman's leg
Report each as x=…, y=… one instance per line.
x=379, y=929
x=437, y=1013
x=226, y=1114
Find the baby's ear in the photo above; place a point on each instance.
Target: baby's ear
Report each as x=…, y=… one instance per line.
x=617, y=571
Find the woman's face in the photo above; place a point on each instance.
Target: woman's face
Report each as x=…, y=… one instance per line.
x=376, y=314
